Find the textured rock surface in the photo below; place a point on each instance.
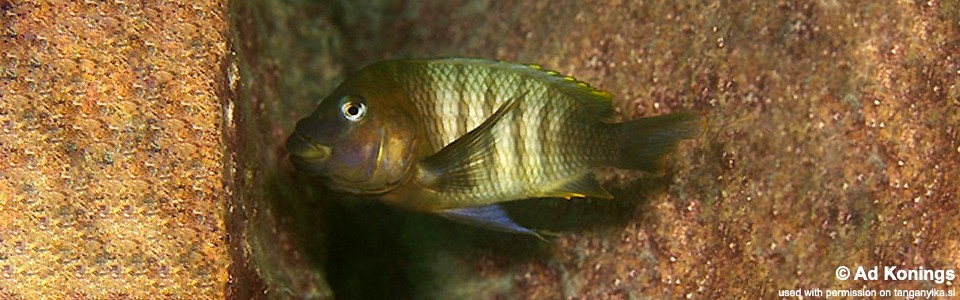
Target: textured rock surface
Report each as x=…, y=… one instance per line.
x=833, y=141
x=283, y=61
x=111, y=180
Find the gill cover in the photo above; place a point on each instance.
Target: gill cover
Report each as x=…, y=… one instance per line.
x=355, y=144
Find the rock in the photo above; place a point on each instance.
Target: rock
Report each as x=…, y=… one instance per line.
x=833, y=142
x=112, y=177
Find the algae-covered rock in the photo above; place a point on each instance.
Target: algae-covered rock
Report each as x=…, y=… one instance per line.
x=284, y=59
x=111, y=175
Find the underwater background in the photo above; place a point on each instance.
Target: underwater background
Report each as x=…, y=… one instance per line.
x=141, y=151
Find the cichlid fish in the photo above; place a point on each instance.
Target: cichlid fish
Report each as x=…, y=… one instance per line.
x=456, y=136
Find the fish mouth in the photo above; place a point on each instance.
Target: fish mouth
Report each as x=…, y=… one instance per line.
x=306, y=154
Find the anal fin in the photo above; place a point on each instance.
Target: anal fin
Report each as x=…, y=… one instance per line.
x=487, y=216
x=584, y=186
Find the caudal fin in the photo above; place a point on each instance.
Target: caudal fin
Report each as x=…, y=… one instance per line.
x=644, y=142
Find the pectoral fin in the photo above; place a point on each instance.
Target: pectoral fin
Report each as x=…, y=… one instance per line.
x=488, y=216
x=463, y=163
x=584, y=186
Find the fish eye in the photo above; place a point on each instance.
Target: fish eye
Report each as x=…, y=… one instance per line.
x=353, y=108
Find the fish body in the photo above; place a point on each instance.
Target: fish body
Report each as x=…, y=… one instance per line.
x=456, y=136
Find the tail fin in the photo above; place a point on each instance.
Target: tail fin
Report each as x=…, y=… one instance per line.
x=645, y=141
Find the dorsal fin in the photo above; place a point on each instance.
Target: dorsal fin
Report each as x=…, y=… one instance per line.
x=597, y=102
x=461, y=164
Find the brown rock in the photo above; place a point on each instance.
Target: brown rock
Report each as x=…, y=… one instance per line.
x=111, y=181
x=833, y=142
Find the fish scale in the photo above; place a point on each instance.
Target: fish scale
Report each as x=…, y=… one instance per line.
x=458, y=93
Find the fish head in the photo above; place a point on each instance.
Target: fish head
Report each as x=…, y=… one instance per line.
x=360, y=144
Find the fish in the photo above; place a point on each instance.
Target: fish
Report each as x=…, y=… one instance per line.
x=456, y=137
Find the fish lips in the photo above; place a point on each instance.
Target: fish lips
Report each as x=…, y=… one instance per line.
x=307, y=155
